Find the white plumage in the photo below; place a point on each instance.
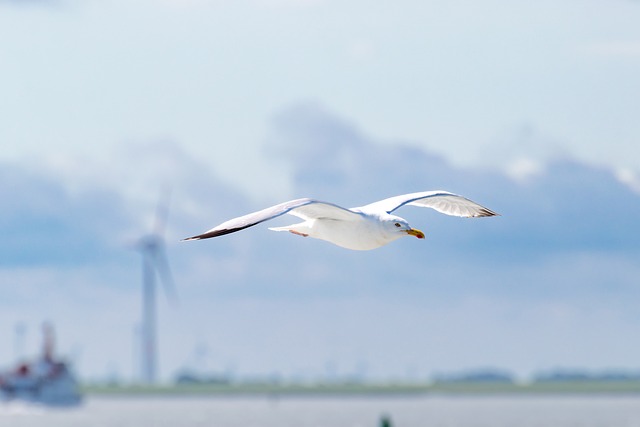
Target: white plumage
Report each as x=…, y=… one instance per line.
x=362, y=228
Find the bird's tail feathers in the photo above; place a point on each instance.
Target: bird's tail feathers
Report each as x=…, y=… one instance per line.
x=301, y=228
x=285, y=228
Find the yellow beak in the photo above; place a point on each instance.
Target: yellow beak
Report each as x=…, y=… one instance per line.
x=415, y=232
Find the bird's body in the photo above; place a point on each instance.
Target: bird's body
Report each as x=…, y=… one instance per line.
x=362, y=232
x=362, y=228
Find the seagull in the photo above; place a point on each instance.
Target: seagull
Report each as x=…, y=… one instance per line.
x=362, y=228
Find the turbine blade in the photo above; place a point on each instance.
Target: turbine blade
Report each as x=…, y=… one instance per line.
x=164, y=272
x=162, y=212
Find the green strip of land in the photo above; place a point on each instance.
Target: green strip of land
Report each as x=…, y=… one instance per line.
x=474, y=388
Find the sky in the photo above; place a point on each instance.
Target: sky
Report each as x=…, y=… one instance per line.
x=530, y=109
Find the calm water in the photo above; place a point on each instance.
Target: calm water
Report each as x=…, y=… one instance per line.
x=418, y=411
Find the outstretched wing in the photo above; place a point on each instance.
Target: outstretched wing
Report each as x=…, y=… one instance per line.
x=442, y=201
x=302, y=208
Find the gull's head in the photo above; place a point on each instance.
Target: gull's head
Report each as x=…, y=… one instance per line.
x=399, y=227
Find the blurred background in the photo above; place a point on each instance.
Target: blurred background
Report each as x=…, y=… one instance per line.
x=125, y=124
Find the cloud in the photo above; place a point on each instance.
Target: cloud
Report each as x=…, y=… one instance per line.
x=45, y=224
x=563, y=241
x=289, y=3
x=65, y=254
x=630, y=48
x=629, y=178
x=361, y=50
x=28, y=3
x=331, y=158
x=564, y=206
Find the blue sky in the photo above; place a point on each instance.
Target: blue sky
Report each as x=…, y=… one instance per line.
x=530, y=109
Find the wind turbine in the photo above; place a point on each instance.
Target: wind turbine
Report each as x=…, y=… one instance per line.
x=155, y=265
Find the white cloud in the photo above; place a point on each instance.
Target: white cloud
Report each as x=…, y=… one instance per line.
x=553, y=252
x=24, y=3
x=290, y=3
x=361, y=49
x=523, y=169
x=629, y=178
x=615, y=48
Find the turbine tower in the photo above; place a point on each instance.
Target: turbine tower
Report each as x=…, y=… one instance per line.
x=154, y=266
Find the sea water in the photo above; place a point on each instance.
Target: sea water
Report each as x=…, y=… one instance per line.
x=405, y=411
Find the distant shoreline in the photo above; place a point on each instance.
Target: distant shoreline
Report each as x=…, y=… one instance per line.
x=456, y=388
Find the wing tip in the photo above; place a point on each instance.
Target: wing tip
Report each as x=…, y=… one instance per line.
x=203, y=236
x=484, y=212
x=216, y=233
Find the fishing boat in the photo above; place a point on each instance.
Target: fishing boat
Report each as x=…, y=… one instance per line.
x=46, y=380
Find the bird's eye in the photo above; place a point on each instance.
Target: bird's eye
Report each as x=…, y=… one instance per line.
x=397, y=224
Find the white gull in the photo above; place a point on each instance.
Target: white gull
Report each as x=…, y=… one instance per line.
x=362, y=228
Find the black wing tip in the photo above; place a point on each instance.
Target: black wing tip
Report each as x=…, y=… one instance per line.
x=208, y=235
x=215, y=233
x=484, y=212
